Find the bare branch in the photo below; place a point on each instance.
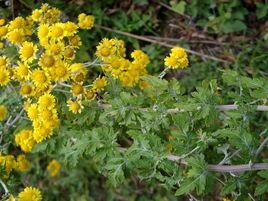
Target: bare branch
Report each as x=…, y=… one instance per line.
x=16, y=119
x=220, y=107
x=216, y=168
x=158, y=42
x=238, y=168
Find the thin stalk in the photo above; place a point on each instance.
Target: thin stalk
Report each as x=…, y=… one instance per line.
x=262, y=145
x=163, y=73
x=4, y=187
x=16, y=119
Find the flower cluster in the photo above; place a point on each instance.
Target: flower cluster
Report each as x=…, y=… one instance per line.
x=42, y=65
x=177, y=58
x=46, y=63
x=113, y=53
x=54, y=168
x=10, y=163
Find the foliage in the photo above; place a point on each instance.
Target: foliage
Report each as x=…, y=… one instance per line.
x=121, y=144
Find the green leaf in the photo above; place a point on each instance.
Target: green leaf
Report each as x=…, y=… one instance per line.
x=262, y=10
x=230, y=77
x=251, y=83
x=233, y=26
x=179, y=7
x=156, y=82
x=261, y=188
x=263, y=174
x=187, y=186
x=228, y=188
x=198, y=182
x=115, y=168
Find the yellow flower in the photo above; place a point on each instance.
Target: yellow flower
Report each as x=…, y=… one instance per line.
x=112, y=47
x=90, y=95
x=47, y=61
x=27, y=52
x=33, y=112
x=2, y=45
x=36, y=15
x=16, y=36
x=60, y=72
x=47, y=101
x=2, y=22
x=56, y=31
x=17, y=23
x=52, y=123
x=99, y=84
x=22, y=163
x=41, y=133
x=3, y=31
x=69, y=53
x=79, y=77
x=39, y=91
x=4, y=61
x=43, y=31
x=77, y=89
x=105, y=48
x=55, y=48
x=23, y=72
x=86, y=21
x=3, y=112
x=54, y=168
x=75, y=41
x=127, y=79
x=40, y=78
x=27, y=90
x=25, y=140
x=42, y=34
x=70, y=28
x=9, y=163
x=140, y=58
x=47, y=115
x=75, y=106
x=177, y=58
x=4, y=76
x=30, y=194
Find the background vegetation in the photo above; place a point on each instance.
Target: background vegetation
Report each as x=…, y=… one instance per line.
x=233, y=32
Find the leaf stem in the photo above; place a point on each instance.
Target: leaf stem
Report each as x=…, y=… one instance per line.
x=262, y=145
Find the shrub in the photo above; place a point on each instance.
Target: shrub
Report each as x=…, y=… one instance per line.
x=109, y=115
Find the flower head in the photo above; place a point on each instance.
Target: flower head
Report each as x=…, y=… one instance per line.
x=86, y=21
x=54, y=168
x=25, y=140
x=46, y=101
x=177, y=58
x=28, y=51
x=22, y=163
x=3, y=112
x=99, y=84
x=16, y=36
x=75, y=106
x=4, y=76
x=40, y=78
x=27, y=90
x=30, y=194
